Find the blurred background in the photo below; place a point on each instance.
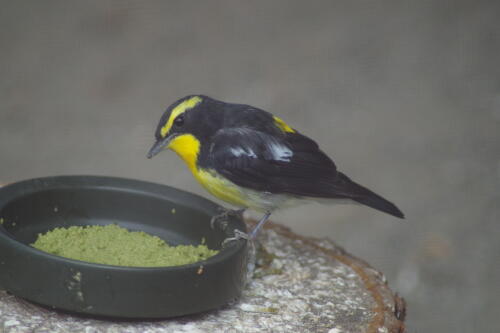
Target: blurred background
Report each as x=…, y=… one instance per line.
x=403, y=95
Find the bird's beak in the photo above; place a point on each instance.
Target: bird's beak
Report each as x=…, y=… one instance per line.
x=159, y=146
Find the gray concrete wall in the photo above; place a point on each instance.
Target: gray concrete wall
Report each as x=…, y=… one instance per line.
x=404, y=95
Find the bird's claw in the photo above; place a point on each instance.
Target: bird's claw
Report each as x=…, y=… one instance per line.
x=220, y=219
x=223, y=216
x=238, y=234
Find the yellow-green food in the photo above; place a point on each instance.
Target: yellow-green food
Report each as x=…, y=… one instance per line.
x=113, y=245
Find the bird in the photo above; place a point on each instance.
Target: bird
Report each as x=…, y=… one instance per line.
x=252, y=159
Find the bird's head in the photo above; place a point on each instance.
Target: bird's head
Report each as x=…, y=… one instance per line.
x=185, y=124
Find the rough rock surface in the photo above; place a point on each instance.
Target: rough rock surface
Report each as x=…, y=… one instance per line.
x=300, y=285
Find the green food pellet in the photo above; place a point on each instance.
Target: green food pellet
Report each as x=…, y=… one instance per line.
x=113, y=245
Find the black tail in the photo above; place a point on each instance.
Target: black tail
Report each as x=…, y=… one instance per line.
x=366, y=197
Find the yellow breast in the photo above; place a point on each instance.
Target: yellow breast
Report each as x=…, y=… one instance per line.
x=188, y=148
x=221, y=188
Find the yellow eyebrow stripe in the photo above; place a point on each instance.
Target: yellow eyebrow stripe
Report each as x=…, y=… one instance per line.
x=282, y=125
x=181, y=108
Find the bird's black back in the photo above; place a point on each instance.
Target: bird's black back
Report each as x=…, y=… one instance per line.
x=250, y=149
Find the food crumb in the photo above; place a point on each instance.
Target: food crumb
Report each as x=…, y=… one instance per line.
x=77, y=276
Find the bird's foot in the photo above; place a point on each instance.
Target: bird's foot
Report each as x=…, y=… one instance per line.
x=222, y=218
x=238, y=234
x=241, y=235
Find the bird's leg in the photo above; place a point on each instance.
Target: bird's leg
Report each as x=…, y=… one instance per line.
x=224, y=215
x=238, y=234
x=255, y=231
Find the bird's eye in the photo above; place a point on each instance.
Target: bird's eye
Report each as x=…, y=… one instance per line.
x=179, y=121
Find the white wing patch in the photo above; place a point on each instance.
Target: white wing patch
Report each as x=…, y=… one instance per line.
x=277, y=150
x=280, y=152
x=240, y=151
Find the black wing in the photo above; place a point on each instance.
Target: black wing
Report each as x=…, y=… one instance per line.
x=290, y=163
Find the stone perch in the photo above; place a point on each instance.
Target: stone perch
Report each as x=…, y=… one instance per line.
x=300, y=285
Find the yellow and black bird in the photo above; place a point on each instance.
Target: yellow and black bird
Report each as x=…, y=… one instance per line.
x=253, y=159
